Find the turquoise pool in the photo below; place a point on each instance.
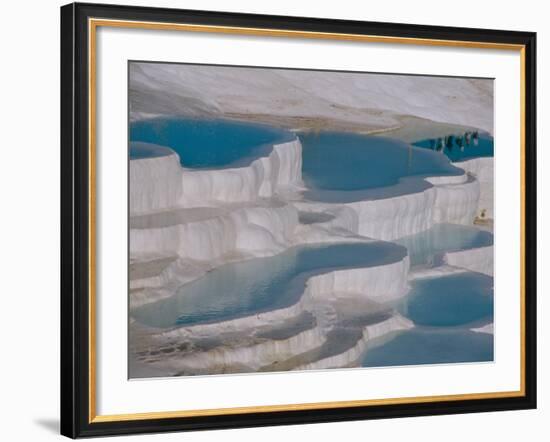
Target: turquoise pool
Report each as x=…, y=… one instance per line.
x=209, y=143
x=427, y=248
x=450, y=301
x=443, y=310
x=261, y=284
x=341, y=167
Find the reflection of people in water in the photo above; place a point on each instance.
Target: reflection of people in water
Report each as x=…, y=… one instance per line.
x=475, y=137
x=448, y=142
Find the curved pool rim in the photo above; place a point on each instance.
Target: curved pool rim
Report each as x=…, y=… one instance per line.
x=290, y=269
x=229, y=143
x=361, y=176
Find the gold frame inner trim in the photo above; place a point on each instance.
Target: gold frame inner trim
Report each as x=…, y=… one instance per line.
x=93, y=24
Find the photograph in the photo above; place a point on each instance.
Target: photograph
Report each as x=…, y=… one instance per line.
x=295, y=219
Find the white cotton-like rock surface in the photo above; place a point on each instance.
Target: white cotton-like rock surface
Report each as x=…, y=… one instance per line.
x=487, y=329
x=354, y=97
x=456, y=203
x=161, y=183
x=155, y=183
x=383, y=283
x=479, y=260
x=261, y=179
x=256, y=230
x=251, y=356
x=451, y=199
x=482, y=169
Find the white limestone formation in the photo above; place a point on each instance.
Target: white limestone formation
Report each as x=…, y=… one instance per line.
x=435, y=272
x=449, y=199
x=261, y=179
x=479, y=260
x=382, y=283
x=160, y=183
x=253, y=356
x=487, y=329
x=155, y=183
x=482, y=170
x=258, y=231
x=366, y=99
x=456, y=203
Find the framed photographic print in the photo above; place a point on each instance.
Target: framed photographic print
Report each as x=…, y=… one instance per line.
x=279, y=220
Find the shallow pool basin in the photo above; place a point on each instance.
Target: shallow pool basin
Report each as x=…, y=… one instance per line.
x=343, y=167
x=425, y=346
x=427, y=248
x=452, y=300
x=210, y=143
x=261, y=284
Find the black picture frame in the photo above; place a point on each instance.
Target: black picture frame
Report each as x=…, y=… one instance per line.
x=75, y=221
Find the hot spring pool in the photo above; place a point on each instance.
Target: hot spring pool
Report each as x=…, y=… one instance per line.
x=340, y=167
x=209, y=143
x=336, y=166
x=443, y=310
x=261, y=284
x=427, y=248
x=450, y=301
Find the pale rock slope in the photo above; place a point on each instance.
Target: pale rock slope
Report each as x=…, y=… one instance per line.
x=374, y=100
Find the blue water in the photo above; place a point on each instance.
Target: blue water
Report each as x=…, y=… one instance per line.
x=261, y=284
x=425, y=346
x=443, y=310
x=427, y=248
x=339, y=166
x=484, y=148
x=450, y=301
x=209, y=143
